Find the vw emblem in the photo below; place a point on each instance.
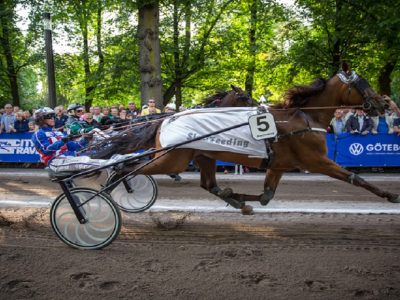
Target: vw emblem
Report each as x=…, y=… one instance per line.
x=356, y=149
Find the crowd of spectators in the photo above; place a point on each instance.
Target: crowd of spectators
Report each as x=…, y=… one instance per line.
x=356, y=121
x=15, y=120
x=353, y=121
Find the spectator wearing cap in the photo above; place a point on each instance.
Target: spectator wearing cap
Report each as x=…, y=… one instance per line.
x=151, y=108
x=20, y=124
x=132, y=110
x=74, y=123
x=7, y=119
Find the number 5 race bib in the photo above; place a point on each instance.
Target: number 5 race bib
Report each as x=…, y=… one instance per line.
x=262, y=126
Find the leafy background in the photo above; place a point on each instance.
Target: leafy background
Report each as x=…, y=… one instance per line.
x=263, y=46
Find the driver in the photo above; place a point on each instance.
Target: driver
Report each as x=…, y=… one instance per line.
x=56, y=150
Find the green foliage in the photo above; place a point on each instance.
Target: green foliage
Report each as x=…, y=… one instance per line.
x=293, y=46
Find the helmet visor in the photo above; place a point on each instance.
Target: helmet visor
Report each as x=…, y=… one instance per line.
x=49, y=116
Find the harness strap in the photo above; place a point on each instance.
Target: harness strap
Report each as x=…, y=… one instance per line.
x=310, y=129
x=318, y=129
x=307, y=129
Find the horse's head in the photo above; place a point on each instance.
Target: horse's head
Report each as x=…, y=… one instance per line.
x=356, y=91
x=234, y=98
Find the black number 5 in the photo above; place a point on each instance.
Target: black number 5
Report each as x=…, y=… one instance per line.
x=262, y=124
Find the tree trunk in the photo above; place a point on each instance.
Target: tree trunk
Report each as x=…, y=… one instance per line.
x=178, y=94
x=251, y=68
x=100, y=66
x=86, y=65
x=5, y=43
x=149, y=53
x=337, y=43
x=384, y=78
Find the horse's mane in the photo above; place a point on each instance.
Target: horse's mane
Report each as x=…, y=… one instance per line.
x=150, y=117
x=211, y=99
x=140, y=136
x=299, y=95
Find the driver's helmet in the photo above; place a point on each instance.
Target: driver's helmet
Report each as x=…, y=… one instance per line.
x=73, y=107
x=42, y=114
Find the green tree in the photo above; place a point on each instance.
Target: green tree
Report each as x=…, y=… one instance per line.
x=8, y=34
x=189, y=53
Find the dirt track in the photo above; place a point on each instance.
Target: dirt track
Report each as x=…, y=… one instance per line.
x=208, y=256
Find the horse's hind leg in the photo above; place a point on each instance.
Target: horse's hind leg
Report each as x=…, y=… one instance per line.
x=328, y=167
x=207, y=167
x=208, y=181
x=271, y=182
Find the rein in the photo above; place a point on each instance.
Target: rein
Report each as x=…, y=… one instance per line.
x=316, y=107
x=304, y=130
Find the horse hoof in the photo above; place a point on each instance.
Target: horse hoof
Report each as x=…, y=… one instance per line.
x=266, y=197
x=394, y=199
x=247, y=210
x=225, y=193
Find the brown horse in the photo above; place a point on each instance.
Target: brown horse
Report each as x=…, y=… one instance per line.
x=300, y=144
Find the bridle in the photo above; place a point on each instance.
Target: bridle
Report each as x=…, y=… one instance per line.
x=239, y=97
x=360, y=84
x=245, y=98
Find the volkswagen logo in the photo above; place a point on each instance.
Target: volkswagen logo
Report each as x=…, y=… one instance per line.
x=356, y=149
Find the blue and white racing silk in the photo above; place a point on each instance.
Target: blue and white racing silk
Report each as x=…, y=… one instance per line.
x=49, y=145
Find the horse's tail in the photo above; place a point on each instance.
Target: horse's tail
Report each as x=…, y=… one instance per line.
x=128, y=141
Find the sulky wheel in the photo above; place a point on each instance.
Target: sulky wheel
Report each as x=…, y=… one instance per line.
x=134, y=194
x=103, y=220
x=94, y=181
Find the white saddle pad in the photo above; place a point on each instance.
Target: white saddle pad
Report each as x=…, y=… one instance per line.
x=187, y=125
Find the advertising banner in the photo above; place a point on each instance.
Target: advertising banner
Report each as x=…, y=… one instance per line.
x=381, y=150
x=331, y=144
x=17, y=147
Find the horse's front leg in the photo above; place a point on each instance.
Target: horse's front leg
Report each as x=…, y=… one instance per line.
x=271, y=182
x=208, y=181
x=328, y=167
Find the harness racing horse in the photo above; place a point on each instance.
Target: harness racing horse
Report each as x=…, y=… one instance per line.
x=300, y=144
